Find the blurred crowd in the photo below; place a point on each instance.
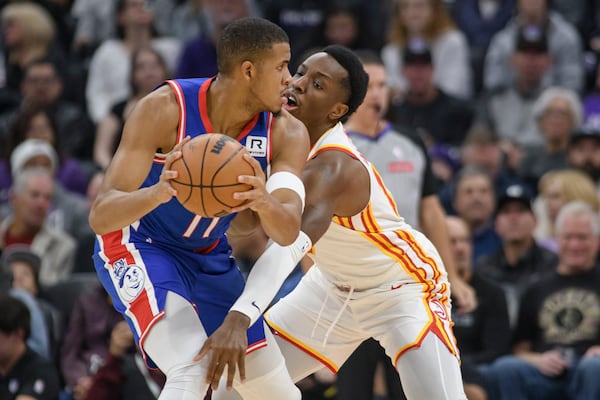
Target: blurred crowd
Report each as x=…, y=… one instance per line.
x=501, y=100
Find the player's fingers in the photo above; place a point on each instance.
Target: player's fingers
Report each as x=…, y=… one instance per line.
x=254, y=164
x=242, y=366
x=216, y=376
x=171, y=157
x=230, y=374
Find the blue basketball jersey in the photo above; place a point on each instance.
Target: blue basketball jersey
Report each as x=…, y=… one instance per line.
x=171, y=249
x=171, y=222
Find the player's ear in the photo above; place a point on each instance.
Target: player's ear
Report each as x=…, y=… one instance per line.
x=248, y=70
x=338, y=111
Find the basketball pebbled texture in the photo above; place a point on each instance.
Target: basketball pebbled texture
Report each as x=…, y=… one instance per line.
x=208, y=172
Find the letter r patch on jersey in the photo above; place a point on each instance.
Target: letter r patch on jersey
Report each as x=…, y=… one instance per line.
x=256, y=146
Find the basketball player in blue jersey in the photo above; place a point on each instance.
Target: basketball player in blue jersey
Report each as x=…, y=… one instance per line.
x=170, y=272
x=373, y=274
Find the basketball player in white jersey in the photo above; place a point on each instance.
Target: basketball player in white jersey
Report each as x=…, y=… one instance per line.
x=374, y=275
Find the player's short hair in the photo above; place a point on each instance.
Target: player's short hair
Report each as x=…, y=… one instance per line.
x=14, y=316
x=368, y=57
x=247, y=39
x=357, y=81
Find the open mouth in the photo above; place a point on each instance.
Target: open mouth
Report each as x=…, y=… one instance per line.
x=291, y=102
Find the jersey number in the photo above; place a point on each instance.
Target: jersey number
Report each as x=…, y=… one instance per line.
x=194, y=224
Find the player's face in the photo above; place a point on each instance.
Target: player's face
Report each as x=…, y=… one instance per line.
x=273, y=77
x=316, y=92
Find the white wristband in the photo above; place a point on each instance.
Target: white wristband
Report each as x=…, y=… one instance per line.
x=286, y=180
x=268, y=274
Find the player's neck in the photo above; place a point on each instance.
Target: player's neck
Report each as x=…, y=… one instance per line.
x=316, y=131
x=228, y=113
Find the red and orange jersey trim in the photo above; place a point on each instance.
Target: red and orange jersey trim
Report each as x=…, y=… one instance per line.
x=333, y=367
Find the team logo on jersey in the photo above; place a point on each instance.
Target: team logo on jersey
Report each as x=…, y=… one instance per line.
x=438, y=309
x=256, y=146
x=130, y=278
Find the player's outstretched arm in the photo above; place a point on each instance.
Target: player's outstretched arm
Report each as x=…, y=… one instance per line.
x=152, y=125
x=279, y=201
x=331, y=183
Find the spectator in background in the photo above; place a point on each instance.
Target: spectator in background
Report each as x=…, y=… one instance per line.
x=39, y=339
x=28, y=33
x=564, y=47
x=474, y=202
x=558, y=113
x=583, y=152
x=31, y=199
x=343, y=25
x=148, y=69
x=440, y=118
x=43, y=87
x=481, y=149
x=24, y=266
x=187, y=20
x=69, y=211
x=110, y=65
x=591, y=100
x=556, y=349
x=23, y=373
x=482, y=334
x=428, y=20
x=300, y=19
x=520, y=261
x=86, y=343
x=94, y=23
x=199, y=55
x=123, y=375
x=509, y=108
x=38, y=122
x=557, y=188
x=480, y=20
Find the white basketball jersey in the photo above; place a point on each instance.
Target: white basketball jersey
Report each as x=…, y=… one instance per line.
x=375, y=246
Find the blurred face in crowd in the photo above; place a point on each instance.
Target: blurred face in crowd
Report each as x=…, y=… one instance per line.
x=23, y=277
x=530, y=67
x=12, y=32
x=460, y=243
x=40, y=128
x=136, y=13
x=556, y=122
x=341, y=28
x=148, y=71
x=415, y=15
x=32, y=204
x=474, y=200
x=553, y=198
x=515, y=222
x=577, y=244
x=584, y=154
x=484, y=155
x=375, y=103
x=41, y=84
x=419, y=77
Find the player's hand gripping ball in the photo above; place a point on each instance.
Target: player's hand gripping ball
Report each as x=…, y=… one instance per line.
x=208, y=174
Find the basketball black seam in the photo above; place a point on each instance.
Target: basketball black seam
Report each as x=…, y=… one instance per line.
x=223, y=164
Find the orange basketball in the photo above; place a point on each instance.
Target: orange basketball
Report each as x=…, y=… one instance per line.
x=208, y=174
